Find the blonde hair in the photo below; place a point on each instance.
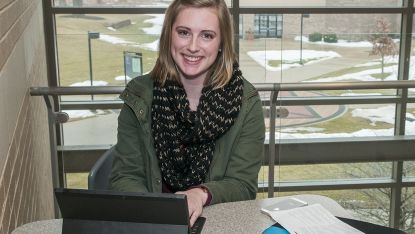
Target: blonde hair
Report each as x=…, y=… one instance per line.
x=221, y=70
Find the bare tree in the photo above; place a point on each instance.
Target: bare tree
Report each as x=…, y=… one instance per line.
x=383, y=43
x=376, y=201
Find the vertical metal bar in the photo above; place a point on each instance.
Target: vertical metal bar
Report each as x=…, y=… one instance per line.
x=235, y=16
x=301, y=40
x=396, y=195
x=53, y=152
x=50, y=43
x=51, y=55
x=52, y=76
x=272, y=155
x=400, y=110
x=90, y=62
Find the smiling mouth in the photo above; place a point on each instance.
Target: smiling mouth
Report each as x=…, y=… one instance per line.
x=192, y=59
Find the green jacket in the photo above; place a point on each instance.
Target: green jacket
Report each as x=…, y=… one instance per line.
x=233, y=173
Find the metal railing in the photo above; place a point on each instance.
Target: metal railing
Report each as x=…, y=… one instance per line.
x=395, y=149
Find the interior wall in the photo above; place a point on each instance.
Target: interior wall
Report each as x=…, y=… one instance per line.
x=25, y=169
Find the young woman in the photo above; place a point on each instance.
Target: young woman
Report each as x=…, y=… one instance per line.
x=194, y=125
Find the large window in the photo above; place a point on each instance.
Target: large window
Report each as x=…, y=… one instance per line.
x=98, y=43
x=320, y=3
x=268, y=26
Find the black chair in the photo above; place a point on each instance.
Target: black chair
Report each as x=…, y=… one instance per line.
x=98, y=178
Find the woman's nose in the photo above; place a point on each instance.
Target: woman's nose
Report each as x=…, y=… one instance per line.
x=193, y=45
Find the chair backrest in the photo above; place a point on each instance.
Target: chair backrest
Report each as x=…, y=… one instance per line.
x=98, y=178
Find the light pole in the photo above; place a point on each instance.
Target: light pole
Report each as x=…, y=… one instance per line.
x=301, y=41
x=91, y=35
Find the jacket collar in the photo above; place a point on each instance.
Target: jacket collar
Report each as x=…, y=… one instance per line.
x=139, y=87
x=142, y=87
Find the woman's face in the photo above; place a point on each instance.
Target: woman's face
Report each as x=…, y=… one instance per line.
x=195, y=41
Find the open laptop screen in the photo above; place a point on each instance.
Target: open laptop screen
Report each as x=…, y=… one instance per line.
x=150, y=210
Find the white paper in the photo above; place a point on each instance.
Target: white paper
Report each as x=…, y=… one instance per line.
x=312, y=219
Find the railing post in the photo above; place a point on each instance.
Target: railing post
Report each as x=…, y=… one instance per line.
x=57, y=175
x=396, y=195
x=271, y=162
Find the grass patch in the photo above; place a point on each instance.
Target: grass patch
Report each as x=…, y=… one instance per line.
x=107, y=58
x=381, y=76
x=77, y=180
x=274, y=63
x=358, y=91
x=347, y=124
x=349, y=70
x=278, y=63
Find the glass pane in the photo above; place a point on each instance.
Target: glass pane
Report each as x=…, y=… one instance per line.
x=340, y=171
x=111, y=3
x=409, y=169
x=258, y=34
x=321, y=3
x=77, y=180
x=334, y=121
x=116, y=3
x=106, y=49
x=411, y=92
x=91, y=127
x=371, y=205
x=410, y=119
x=408, y=209
x=321, y=48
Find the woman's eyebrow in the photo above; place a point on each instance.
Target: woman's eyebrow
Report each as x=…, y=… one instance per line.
x=182, y=27
x=209, y=31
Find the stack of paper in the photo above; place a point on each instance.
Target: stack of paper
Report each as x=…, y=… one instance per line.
x=312, y=219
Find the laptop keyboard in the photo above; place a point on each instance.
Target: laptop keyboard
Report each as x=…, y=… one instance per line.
x=198, y=225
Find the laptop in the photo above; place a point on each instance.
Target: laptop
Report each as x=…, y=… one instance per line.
x=93, y=211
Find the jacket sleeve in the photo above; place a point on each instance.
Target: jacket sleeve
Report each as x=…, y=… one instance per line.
x=128, y=169
x=240, y=181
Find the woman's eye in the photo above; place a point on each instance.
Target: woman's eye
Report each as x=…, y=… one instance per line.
x=207, y=36
x=183, y=33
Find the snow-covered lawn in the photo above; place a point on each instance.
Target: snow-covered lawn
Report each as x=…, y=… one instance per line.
x=290, y=58
x=155, y=29
x=379, y=114
x=339, y=43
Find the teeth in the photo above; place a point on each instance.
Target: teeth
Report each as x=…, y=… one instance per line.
x=192, y=58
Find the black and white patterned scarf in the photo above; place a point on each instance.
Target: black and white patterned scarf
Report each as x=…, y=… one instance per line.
x=184, y=140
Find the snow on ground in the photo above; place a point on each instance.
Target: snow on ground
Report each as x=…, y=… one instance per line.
x=113, y=40
x=340, y=43
x=360, y=94
x=153, y=46
x=112, y=29
x=368, y=64
x=122, y=78
x=88, y=83
x=380, y=114
x=157, y=22
x=290, y=58
x=360, y=133
x=366, y=74
x=77, y=114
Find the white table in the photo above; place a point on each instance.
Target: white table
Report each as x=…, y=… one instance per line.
x=233, y=217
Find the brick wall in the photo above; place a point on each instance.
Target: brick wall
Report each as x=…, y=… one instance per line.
x=25, y=174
